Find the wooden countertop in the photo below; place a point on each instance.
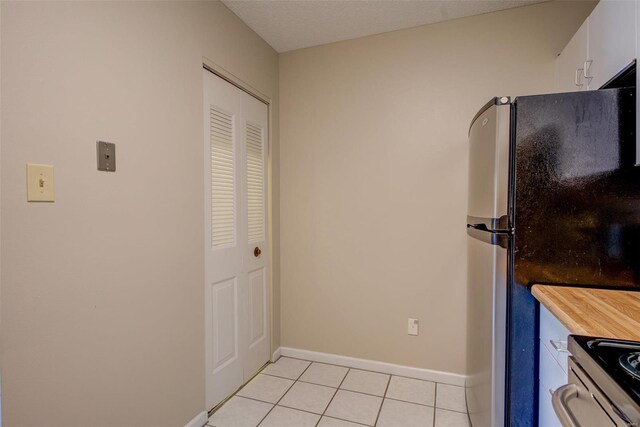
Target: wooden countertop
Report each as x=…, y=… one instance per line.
x=593, y=312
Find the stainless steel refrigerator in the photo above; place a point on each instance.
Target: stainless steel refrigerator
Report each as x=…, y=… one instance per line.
x=554, y=198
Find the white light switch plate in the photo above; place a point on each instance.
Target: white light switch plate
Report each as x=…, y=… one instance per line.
x=412, y=328
x=40, y=186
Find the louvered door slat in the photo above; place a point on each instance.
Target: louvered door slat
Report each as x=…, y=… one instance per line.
x=223, y=203
x=255, y=182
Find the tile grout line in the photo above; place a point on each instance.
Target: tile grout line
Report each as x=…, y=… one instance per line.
x=384, y=396
x=413, y=403
x=277, y=376
x=334, y=395
x=346, y=421
x=361, y=392
x=435, y=404
x=285, y=393
x=301, y=410
x=452, y=410
x=306, y=382
x=321, y=385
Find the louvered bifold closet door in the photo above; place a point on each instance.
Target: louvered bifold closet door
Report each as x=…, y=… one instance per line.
x=224, y=237
x=236, y=249
x=223, y=185
x=255, y=183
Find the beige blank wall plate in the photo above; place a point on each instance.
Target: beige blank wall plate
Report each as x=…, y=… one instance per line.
x=40, y=186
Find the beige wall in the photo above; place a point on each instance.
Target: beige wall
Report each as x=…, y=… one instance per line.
x=102, y=291
x=374, y=177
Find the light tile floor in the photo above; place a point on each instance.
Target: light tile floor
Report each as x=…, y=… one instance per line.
x=299, y=393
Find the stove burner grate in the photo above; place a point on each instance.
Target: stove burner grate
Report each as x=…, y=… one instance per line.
x=631, y=364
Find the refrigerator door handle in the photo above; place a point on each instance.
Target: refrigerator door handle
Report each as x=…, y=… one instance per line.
x=500, y=225
x=480, y=232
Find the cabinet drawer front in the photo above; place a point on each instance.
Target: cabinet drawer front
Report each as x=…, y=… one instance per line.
x=553, y=336
x=546, y=415
x=551, y=374
x=551, y=377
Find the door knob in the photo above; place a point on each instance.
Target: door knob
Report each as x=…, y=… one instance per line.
x=257, y=252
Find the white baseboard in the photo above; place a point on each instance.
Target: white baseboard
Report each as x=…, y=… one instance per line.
x=372, y=365
x=276, y=354
x=199, y=420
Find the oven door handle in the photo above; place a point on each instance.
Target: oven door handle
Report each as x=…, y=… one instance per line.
x=559, y=401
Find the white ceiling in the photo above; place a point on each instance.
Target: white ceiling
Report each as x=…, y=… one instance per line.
x=295, y=24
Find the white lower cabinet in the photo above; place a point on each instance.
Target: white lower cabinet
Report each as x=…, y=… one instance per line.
x=546, y=415
x=553, y=365
x=553, y=336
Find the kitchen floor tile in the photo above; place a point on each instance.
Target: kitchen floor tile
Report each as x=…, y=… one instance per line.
x=446, y=418
x=240, y=412
x=412, y=390
x=308, y=397
x=334, y=422
x=266, y=388
x=356, y=407
x=395, y=414
x=366, y=382
x=287, y=368
x=323, y=374
x=451, y=397
x=286, y=417
x=311, y=401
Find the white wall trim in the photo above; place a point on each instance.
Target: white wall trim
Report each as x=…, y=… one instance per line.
x=199, y=420
x=276, y=354
x=373, y=365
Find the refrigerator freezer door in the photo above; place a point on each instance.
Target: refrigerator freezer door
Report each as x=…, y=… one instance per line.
x=489, y=143
x=577, y=186
x=486, y=330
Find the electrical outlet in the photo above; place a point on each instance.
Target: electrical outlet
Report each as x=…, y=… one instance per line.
x=412, y=328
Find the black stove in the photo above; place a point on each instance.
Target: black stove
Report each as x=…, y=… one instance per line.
x=614, y=367
x=617, y=358
x=630, y=362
